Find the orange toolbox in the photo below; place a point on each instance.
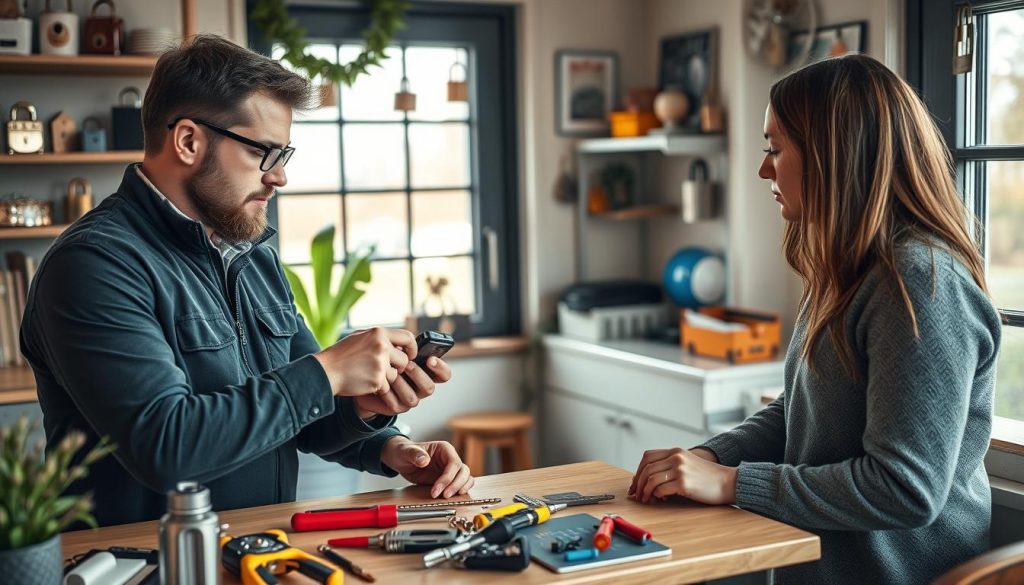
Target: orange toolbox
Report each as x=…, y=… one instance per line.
x=743, y=335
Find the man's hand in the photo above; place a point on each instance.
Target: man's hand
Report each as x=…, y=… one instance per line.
x=433, y=463
x=401, y=395
x=368, y=362
x=691, y=474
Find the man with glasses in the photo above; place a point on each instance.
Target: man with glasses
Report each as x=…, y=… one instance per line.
x=163, y=321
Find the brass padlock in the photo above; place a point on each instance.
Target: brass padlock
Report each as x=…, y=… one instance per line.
x=24, y=136
x=79, y=200
x=405, y=99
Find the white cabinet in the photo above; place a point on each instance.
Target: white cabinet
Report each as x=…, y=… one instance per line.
x=612, y=401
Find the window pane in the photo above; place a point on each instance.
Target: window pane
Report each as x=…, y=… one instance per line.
x=374, y=156
x=428, y=70
x=300, y=217
x=1006, y=233
x=380, y=219
x=1010, y=374
x=315, y=166
x=386, y=301
x=372, y=97
x=459, y=295
x=442, y=223
x=1005, y=81
x=329, y=52
x=440, y=155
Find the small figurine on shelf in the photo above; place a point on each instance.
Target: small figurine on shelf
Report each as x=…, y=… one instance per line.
x=618, y=180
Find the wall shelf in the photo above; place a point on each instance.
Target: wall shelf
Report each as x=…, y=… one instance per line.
x=73, y=158
x=46, y=231
x=102, y=65
x=676, y=144
x=639, y=212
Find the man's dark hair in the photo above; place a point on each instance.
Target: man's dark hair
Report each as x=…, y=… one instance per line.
x=209, y=77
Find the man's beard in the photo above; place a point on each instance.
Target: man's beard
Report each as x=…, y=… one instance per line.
x=216, y=210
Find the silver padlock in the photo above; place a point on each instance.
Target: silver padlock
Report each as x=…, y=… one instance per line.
x=24, y=136
x=698, y=198
x=94, y=138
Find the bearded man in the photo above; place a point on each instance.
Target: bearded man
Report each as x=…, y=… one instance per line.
x=162, y=319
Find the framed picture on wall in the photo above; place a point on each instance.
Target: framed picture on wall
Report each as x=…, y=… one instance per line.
x=689, y=63
x=586, y=90
x=829, y=41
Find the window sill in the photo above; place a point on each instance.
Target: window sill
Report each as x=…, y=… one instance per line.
x=485, y=346
x=1008, y=435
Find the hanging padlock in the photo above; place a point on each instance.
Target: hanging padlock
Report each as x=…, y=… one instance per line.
x=698, y=201
x=79, y=199
x=58, y=30
x=24, y=136
x=104, y=35
x=405, y=99
x=963, y=40
x=94, y=139
x=458, y=91
x=63, y=133
x=126, y=121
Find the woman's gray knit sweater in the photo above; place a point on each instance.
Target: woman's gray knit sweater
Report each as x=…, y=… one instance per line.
x=886, y=466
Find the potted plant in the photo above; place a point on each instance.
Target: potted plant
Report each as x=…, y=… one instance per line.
x=33, y=509
x=325, y=311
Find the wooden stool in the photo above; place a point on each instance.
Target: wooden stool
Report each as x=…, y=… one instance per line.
x=473, y=433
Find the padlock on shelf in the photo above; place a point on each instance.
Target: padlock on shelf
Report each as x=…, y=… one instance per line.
x=79, y=199
x=58, y=30
x=94, y=138
x=103, y=35
x=126, y=121
x=24, y=136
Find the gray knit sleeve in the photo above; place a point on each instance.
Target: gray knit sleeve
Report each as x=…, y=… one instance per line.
x=920, y=392
x=762, y=437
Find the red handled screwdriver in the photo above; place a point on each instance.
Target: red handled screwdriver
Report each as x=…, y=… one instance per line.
x=383, y=516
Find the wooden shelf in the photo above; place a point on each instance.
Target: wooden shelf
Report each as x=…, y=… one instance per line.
x=640, y=212
x=17, y=385
x=123, y=65
x=47, y=231
x=73, y=158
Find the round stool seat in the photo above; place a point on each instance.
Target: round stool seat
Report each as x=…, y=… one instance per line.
x=473, y=433
x=491, y=423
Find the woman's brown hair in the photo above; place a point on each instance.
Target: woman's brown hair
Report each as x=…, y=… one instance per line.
x=875, y=172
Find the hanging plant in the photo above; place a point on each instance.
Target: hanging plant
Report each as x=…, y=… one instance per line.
x=386, y=18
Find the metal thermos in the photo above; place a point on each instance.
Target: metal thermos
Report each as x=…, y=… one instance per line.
x=189, y=538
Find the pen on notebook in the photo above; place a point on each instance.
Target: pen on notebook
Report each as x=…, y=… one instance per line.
x=344, y=563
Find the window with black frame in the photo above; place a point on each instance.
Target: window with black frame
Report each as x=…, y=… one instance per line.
x=431, y=189
x=982, y=117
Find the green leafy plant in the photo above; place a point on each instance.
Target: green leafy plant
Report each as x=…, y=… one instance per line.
x=386, y=18
x=32, y=508
x=325, y=312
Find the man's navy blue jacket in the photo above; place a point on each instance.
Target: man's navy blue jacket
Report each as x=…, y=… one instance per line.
x=135, y=331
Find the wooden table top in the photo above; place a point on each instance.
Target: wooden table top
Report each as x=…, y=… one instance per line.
x=708, y=542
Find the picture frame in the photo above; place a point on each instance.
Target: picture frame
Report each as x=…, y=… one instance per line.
x=689, y=62
x=853, y=35
x=586, y=91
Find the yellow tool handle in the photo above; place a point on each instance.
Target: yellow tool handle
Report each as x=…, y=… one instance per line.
x=483, y=520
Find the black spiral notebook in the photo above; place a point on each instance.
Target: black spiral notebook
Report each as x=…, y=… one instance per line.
x=622, y=549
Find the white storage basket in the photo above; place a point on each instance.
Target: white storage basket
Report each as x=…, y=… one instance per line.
x=603, y=323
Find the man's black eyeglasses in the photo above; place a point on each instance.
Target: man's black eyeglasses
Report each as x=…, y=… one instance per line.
x=271, y=154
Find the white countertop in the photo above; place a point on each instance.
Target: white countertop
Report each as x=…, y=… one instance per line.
x=668, y=357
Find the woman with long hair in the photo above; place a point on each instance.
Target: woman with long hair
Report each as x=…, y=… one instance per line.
x=878, y=440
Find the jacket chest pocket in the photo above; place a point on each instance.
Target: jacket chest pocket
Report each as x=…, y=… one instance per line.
x=209, y=348
x=277, y=327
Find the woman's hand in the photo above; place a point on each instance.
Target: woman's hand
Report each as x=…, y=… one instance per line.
x=691, y=474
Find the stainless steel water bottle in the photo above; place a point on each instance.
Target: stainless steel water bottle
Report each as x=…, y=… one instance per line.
x=189, y=533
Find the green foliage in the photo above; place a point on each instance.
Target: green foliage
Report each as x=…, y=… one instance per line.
x=325, y=312
x=32, y=508
x=386, y=18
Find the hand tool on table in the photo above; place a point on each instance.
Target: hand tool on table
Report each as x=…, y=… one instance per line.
x=512, y=556
x=568, y=498
x=484, y=519
x=382, y=516
x=258, y=558
x=501, y=531
x=603, y=536
x=345, y=563
x=402, y=541
x=630, y=530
